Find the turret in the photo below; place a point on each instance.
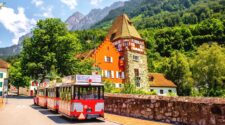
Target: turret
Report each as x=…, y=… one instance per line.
x=131, y=47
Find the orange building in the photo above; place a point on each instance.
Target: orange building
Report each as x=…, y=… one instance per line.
x=107, y=61
x=121, y=57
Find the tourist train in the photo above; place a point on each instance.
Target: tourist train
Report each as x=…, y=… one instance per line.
x=78, y=97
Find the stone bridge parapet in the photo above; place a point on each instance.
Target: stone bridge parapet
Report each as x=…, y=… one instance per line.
x=177, y=110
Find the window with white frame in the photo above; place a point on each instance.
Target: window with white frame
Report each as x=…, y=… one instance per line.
x=120, y=75
x=136, y=58
x=108, y=59
x=109, y=74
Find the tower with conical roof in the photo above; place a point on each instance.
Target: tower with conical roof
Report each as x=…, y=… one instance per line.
x=131, y=47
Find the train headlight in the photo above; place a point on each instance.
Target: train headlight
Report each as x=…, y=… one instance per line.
x=99, y=106
x=78, y=107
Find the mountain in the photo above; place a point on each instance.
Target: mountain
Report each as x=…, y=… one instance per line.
x=10, y=51
x=94, y=16
x=74, y=20
x=77, y=21
x=166, y=13
x=14, y=49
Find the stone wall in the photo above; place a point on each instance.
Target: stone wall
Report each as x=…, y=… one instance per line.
x=177, y=110
x=141, y=65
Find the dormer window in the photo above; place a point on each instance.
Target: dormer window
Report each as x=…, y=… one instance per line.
x=151, y=78
x=130, y=23
x=112, y=36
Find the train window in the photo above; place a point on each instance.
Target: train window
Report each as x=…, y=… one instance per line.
x=46, y=94
x=100, y=92
x=75, y=93
x=90, y=92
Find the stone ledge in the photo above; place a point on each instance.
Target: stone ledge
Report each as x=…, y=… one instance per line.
x=204, y=100
x=178, y=110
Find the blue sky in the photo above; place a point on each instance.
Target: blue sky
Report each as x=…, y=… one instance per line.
x=18, y=17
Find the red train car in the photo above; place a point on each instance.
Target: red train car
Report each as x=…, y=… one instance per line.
x=78, y=98
x=41, y=97
x=53, y=98
x=82, y=101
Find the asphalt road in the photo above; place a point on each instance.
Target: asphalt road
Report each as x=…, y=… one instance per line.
x=21, y=111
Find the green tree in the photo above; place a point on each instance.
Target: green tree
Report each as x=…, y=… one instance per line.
x=16, y=77
x=50, y=46
x=85, y=66
x=170, y=39
x=177, y=69
x=209, y=70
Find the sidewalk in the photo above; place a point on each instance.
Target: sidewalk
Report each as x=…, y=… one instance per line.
x=130, y=121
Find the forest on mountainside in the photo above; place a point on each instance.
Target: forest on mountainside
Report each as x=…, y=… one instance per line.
x=184, y=38
x=177, y=32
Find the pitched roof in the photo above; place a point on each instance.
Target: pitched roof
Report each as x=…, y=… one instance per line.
x=159, y=80
x=90, y=53
x=122, y=27
x=4, y=64
x=85, y=55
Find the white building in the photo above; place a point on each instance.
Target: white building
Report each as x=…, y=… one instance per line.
x=33, y=88
x=3, y=77
x=161, y=85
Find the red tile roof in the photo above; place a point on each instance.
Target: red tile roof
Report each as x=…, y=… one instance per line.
x=159, y=80
x=4, y=64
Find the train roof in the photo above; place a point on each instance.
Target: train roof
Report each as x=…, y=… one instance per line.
x=71, y=84
x=81, y=84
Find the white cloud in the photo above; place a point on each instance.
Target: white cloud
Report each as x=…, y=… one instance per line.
x=16, y=23
x=46, y=12
x=37, y=3
x=70, y=3
x=95, y=2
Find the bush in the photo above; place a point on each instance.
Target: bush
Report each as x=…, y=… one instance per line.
x=109, y=86
x=128, y=88
x=171, y=94
x=116, y=90
x=151, y=93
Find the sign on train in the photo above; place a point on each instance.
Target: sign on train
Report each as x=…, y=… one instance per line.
x=87, y=78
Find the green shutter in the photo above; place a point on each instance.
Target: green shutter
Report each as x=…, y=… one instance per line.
x=0, y=93
x=1, y=75
x=0, y=84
